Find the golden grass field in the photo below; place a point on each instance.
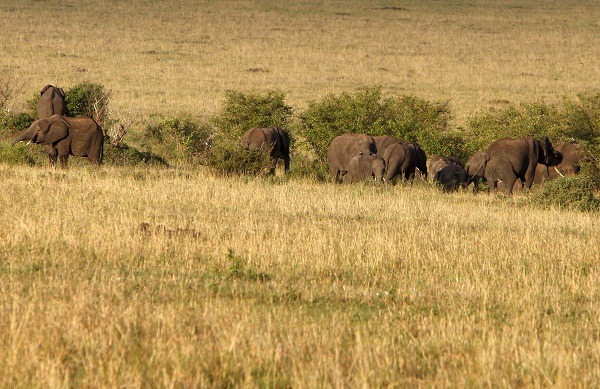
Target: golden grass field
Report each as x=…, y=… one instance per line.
x=252, y=282
x=165, y=57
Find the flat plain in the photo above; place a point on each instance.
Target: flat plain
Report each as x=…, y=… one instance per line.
x=182, y=278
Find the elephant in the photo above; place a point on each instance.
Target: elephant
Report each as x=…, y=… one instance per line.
x=362, y=167
x=451, y=177
x=51, y=102
x=401, y=157
x=63, y=136
x=475, y=168
x=438, y=162
x=572, y=156
x=275, y=139
x=400, y=160
x=511, y=159
x=343, y=147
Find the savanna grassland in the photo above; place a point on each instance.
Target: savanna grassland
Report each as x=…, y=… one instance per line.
x=145, y=277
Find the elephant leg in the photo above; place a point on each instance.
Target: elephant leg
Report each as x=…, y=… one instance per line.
x=286, y=162
x=63, y=153
x=63, y=160
x=52, y=154
x=528, y=182
x=333, y=172
x=509, y=183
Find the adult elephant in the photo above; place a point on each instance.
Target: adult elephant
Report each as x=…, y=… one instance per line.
x=570, y=165
x=365, y=166
x=63, y=136
x=273, y=139
x=343, y=147
x=51, y=102
x=475, y=168
x=511, y=159
x=400, y=160
x=401, y=157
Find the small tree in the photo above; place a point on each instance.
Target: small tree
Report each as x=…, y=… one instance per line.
x=88, y=99
x=242, y=111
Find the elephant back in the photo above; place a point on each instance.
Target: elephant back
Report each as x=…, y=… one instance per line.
x=51, y=102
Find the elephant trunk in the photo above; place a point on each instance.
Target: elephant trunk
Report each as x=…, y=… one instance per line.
x=23, y=136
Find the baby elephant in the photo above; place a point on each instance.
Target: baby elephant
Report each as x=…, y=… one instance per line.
x=451, y=177
x=362, y=167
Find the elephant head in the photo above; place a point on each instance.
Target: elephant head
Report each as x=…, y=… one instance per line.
x=421, y=164
x=549, y=156
x=47, y=131
x=362, y=167
x=378, y=168
x=451, y=177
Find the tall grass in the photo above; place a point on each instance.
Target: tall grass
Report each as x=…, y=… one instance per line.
x=178, y=277
x=181, y=56
x=247, y=282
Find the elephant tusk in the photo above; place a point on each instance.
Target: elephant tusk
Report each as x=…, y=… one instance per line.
x=558, y=171
x=28, y=143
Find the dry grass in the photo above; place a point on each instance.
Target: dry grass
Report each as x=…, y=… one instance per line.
x=247, y=282
x=161, y=57
x=250, y=282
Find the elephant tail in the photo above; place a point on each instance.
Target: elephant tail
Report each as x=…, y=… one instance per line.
x=101, y=156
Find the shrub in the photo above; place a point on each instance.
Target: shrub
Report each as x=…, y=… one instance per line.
x=577, y=192
x=516, y=121
x=367, y=112
x=15, y=155
x=180, y=139
x=12, y=123
x=8, y=90
x=88, y=99
x=242, y=111
x=574, y=119
x=231, y=158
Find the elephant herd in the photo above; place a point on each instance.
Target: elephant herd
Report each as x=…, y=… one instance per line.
x=510, y=164
x=62, y=135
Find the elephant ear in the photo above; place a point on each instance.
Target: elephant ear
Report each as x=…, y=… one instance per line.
x=55, y=130
x=44, y=89
x=61, y=92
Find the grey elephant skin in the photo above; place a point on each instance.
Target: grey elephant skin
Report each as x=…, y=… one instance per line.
x=401, y=158
x=362, y=167
x=570, y=165
x=51, y=102
x=343, y=148
x=436, y=162
x=274, y=139
x=475, y=168
x=63, y=136
x=448, y=172
x=509, y=160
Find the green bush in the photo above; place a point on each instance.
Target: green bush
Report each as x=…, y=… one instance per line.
x=125, y=155
x=573, y=119
x=228, y=158
x=577, y=192
x=367, y=111
x=12, y=123
x=242, y=111
x=15, y=155
x=88, y=99
x=180, y=140
x=516, y=121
